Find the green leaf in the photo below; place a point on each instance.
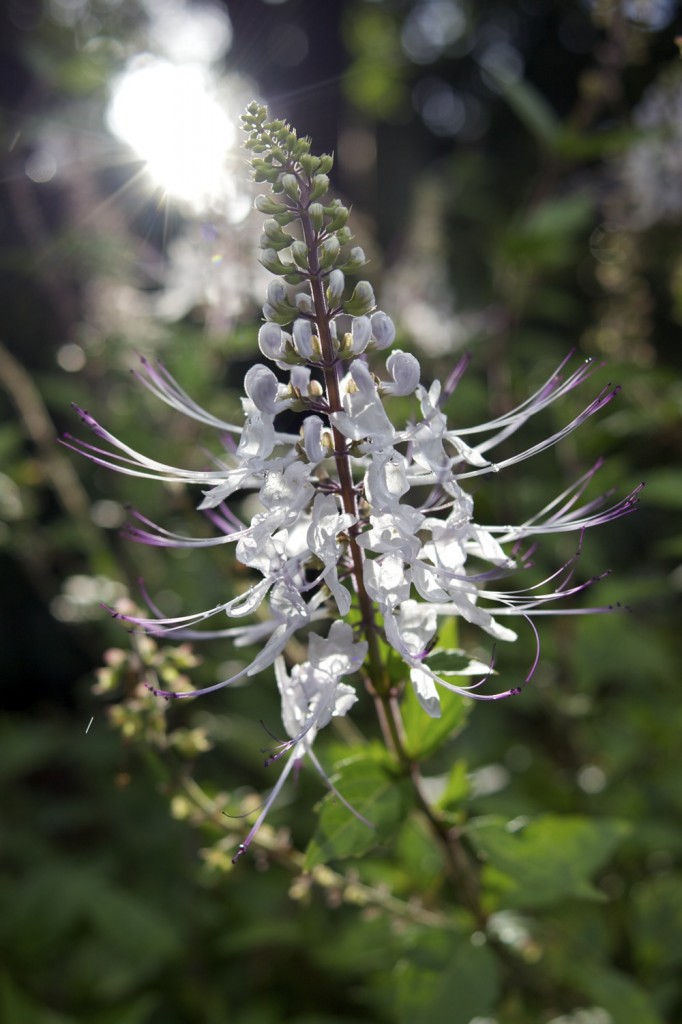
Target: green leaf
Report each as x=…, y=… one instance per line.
x=425, y=734
x=550, y=858
x=464, y=988
x=18, y=1008
x=137, y=929
x=657, y=922
x=373, y=792
x=456, y=788
x=621, y=997
x=545, y=238
x=418, y=855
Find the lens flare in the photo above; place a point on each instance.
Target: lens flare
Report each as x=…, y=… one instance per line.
x=174, y=118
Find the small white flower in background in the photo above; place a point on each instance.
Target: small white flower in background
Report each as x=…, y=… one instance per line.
x=364, y=529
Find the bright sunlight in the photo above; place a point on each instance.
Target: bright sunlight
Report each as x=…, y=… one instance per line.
x=173, y=117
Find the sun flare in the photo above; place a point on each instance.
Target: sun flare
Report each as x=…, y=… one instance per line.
x=174, y=118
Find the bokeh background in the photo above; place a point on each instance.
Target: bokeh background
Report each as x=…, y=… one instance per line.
x=515, y=173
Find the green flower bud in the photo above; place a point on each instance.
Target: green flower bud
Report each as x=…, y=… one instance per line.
x=284, y=216
x=277, y=306
x=266, y=204
x=309, y=163
x=319, y=187
x=291, y=186
x=272, y=262
x=274, y=231
x=299, y=252
x=362, y=300
x=356, y=260
x=344, y=235
x=326, y=163
x=335, y=287
x=264, y=171
x=316, y=211
x=328, y=252
x=278, y=315
x=339, y=215
x=265, y=242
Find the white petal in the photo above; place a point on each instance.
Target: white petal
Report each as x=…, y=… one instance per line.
x=405, y=370
x=426, y=692
x=262, y=386
x=383, y=330
x=303, y=338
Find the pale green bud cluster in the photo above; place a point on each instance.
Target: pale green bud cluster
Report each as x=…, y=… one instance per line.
x=299, y=184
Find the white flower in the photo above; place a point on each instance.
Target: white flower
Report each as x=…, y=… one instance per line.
x=312, y=694
x=383, y=330
x=363, y=416
x=326, y=524
x=405, y=370
x=414, y=557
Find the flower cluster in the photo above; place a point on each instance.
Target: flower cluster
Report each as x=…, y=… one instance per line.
x=361, y=522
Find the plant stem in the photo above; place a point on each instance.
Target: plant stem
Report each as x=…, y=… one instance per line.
x=376, y=670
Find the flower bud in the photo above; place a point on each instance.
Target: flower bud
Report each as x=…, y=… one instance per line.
x=335, y=286
x=329, y=252
x=339, y=215
x=277, y=293
x=272, y=262
x=356, y=260
x=284, y=217
x=383, y=330
x=319, y=186
x=272, y=230
x=304, y=303
x=303, y=338
x=262, y=386
x=291, y=186
x=316, y=211
x=282, y=314
x=309, y=163
x=266, y=204
x=362, y=300
x=299, y=251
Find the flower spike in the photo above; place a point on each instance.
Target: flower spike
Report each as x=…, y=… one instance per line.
x=364, y=536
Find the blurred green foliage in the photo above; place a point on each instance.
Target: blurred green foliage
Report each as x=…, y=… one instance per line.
x=118, y=900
